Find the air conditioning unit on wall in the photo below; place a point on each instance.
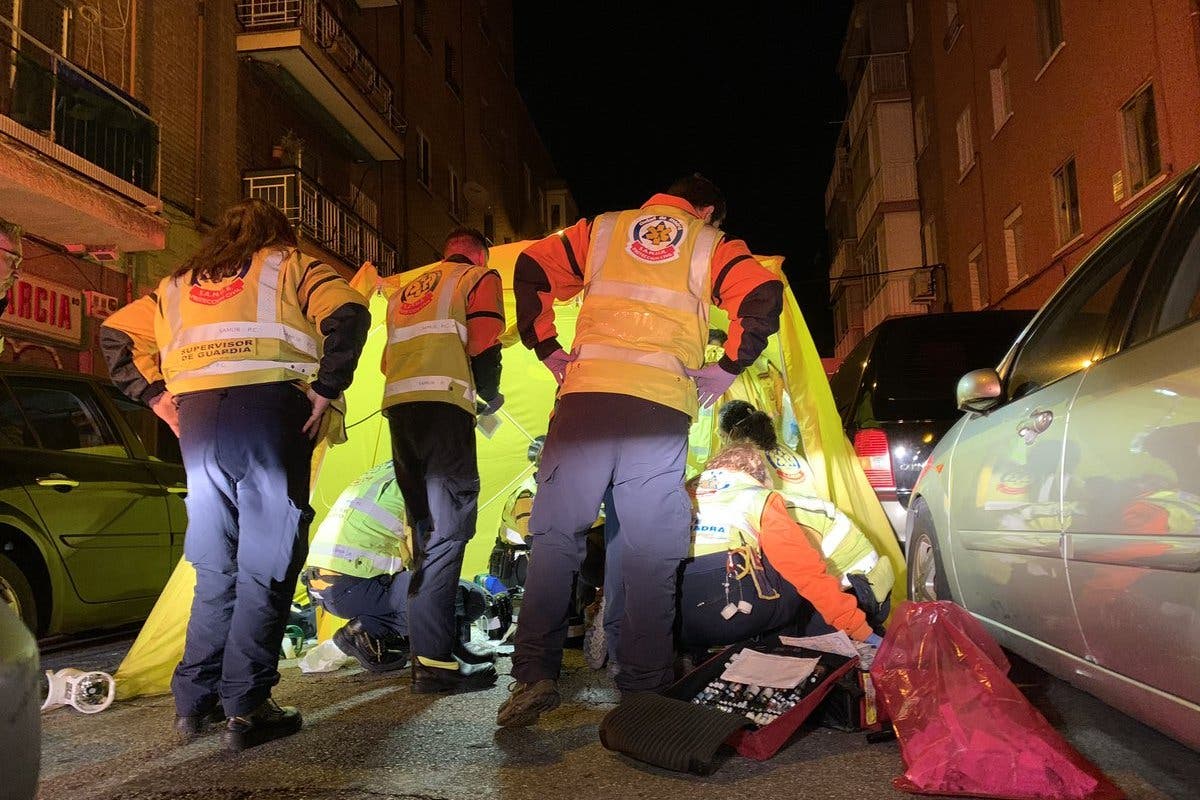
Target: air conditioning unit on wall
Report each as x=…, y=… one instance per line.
x=921, y=288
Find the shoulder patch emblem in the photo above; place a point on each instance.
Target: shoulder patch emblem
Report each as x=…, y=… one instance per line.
x=655, y=238
x=419, y=292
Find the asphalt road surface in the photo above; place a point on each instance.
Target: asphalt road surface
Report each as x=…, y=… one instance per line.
x=369, y=737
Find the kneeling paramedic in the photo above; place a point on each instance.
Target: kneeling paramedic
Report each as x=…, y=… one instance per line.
x=443, y=351
x=762, y=559
x=241, y=351
x=357, y=571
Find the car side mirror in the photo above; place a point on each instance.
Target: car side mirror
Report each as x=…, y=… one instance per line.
x=979, y=391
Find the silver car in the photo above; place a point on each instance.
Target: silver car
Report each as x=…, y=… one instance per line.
x=1063, y=510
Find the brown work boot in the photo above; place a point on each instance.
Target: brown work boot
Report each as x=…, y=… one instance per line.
x=268, y=721
x=527, y=702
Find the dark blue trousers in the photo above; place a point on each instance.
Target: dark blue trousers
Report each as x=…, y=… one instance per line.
x=433, y=451
x=247, y=464
x=702, y=597
x=600, y=443
x=380, y=603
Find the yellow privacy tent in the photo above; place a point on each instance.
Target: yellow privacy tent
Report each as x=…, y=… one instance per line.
x=529, y=390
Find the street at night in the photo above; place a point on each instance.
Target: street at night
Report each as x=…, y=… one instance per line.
x=462, y=399
x=367, y=737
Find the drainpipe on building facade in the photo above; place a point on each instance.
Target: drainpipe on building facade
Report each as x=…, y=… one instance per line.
x=402, y=250
x=133, y=27
x=198, y=154
x=1194, y=15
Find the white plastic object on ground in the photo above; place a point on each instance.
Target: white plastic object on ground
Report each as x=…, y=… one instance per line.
x=86, y=692
x=325, y=657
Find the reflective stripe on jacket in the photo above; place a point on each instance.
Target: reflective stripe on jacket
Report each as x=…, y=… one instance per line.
x=645, y=309
x=729, y=516
x=426, y=354
x=241, y=330
x=364, y=533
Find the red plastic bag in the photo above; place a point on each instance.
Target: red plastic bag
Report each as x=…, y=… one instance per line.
x=963, y=727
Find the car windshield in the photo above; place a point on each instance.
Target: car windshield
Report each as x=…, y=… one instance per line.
x=918, y=366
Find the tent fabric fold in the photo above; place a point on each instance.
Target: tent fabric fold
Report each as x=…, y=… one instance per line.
x=529, y=391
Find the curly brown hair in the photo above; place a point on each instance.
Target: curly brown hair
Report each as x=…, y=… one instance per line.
x=245, y=228
x=741, y=458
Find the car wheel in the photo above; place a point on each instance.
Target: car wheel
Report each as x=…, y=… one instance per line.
x=16, y=593
x=926, y=577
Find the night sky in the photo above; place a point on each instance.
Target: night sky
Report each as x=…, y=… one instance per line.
x=629, y=96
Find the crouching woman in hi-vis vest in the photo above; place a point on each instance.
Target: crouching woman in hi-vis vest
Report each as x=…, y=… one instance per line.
x=241, y=351
x=766, y=561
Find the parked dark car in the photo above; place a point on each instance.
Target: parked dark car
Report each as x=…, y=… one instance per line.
x=895, y=391
x=91, y=502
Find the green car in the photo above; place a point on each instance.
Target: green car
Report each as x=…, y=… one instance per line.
x=91, y=502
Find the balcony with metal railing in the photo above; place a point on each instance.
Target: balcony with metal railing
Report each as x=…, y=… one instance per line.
x=893, y=182
x=885, y=77
x=312, y=45
x=322, y=219
x=843, y=262
x=95, y=175
x=839, y=178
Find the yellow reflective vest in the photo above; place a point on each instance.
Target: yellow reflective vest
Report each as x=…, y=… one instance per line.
x=645, y=309
x=789, y=471
x=729, y=513
x=364, y=533
x=242, y=330
x=426, y=354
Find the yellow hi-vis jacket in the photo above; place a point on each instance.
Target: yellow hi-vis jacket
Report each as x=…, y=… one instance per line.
x=729, y=516
x=364, y=533
x=789, y=471
x=426, y=354
x=645, y=309
x=242, y=330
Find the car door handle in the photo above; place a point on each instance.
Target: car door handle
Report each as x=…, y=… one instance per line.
x=57, y=480
x=177, y=489
x=1038, y=423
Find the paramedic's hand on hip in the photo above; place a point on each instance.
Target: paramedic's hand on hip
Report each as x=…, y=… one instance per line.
x=319, y=406
x=712, y=381
x=557, y=362
x=164, y=406
x=875, y=640
x=493, y=405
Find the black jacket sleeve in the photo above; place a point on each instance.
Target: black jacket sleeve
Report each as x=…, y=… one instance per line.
x=345, y=331
x=485, y=369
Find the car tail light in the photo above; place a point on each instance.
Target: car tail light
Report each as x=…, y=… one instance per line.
x=871, y=445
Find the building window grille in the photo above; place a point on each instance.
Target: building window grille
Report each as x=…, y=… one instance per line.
x=1143, y=161
x=1066, y=203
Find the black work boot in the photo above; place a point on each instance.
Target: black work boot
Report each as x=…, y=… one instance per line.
x=268, y=721
x=374, y=653
x=451, y=680
x=192, y=725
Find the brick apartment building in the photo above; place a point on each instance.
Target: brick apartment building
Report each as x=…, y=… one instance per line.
x=127, y=125
x=1036, y=128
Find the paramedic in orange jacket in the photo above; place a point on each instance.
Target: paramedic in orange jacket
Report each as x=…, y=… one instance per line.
x=241, y=351
x=630, y=388
x=780, y=554
x=443, y=352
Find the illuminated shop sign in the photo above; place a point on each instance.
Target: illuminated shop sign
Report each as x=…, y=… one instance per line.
x=42, y=308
